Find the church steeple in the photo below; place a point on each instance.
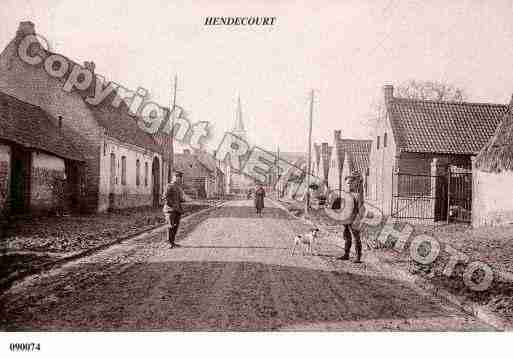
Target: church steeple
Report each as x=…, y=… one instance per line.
x=238, y=128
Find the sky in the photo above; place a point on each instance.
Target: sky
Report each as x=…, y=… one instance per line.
x=344, y=50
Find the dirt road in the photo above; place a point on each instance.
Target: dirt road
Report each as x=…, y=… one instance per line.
x=233, y=271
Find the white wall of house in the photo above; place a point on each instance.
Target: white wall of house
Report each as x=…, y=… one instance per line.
x=382, y=161
x=127, y=193
x=492, y=198
x=333, y=172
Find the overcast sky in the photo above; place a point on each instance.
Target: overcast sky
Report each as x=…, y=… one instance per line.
x=344, y=50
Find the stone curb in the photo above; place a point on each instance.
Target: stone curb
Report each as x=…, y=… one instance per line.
x=6, y=283
x=478, y=311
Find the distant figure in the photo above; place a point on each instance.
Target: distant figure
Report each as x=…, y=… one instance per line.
x=173, y=198
x=259, y=199
x=354, y=183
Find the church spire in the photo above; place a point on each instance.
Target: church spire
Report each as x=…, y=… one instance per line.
x=238, y=128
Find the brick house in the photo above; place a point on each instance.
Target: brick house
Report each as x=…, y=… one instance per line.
x=414, y=145
x=199, y=179
x=217, y=168
x=123, y=164
x=40, y=169
x=492, y=202
x=349, y=156
x=333, y=163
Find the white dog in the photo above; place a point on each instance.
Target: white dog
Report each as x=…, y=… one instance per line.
x=306, y=240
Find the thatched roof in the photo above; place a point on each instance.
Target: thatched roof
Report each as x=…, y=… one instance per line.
x=497, y=154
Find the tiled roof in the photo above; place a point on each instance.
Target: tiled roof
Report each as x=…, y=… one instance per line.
x=358, y=152
x=121, y=125
x=31, y=127
x=189, y=165
x=208, y=160
x=117, y=122
x=443, y=127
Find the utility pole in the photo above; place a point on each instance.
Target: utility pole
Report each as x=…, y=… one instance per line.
x=308, y=166
x=276, y=183
x=172, y=133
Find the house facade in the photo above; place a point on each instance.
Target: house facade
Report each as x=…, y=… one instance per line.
x=345, y=157
x=40, y=169
x=492, y=202
x=123, y=165
x=202, y=178
x=414, y=146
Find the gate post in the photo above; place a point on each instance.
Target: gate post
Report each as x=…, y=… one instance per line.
x=439, y=190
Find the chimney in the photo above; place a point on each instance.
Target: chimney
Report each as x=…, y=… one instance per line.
x=338, y=134
x=388, y=92
x=26, y=28
x=89, y=65
x=325, y=160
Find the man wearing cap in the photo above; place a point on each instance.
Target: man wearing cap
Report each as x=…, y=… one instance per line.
x=354, y=184
x=173, y=198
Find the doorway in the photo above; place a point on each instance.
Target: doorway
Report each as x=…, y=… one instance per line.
x=112, y=180
x=20, y=181
x=155, y=176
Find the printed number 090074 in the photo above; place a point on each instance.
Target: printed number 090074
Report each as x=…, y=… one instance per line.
x=24, y=347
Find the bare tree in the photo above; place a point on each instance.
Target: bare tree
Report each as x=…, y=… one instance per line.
x=430, y=90
x=418, y=90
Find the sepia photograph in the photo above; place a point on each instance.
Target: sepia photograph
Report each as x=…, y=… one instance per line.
x=187, y=176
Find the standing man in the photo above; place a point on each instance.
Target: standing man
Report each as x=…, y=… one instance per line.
x=173, y=198
x=354, y=184
x=259, y=199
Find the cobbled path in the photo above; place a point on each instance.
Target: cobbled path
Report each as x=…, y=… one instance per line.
x=233, y=271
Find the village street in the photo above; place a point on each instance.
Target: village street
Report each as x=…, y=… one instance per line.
x=232, y=271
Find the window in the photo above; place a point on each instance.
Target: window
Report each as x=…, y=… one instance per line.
x=137, y=172
x=377, y=142
x=123, y=170
x=146, y=174
x=105, y=148
x=385, y=140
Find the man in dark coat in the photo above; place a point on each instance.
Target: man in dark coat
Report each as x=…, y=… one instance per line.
x=354, y=183
x=259, y=199
x=173, y=198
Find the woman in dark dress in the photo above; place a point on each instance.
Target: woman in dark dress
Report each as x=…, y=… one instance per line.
x=259, y=199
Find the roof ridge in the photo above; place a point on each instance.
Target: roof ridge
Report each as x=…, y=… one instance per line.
x=405, y=99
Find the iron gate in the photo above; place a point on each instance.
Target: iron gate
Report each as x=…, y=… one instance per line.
x=437, y=198
x=459, y=204
x=421, y=197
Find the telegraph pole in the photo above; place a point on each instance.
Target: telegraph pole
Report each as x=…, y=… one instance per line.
x=308, y=166
x=172, y=147
x=276, y=183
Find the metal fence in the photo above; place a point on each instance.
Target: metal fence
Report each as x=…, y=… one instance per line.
x=435, y=198
x=418, y=196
